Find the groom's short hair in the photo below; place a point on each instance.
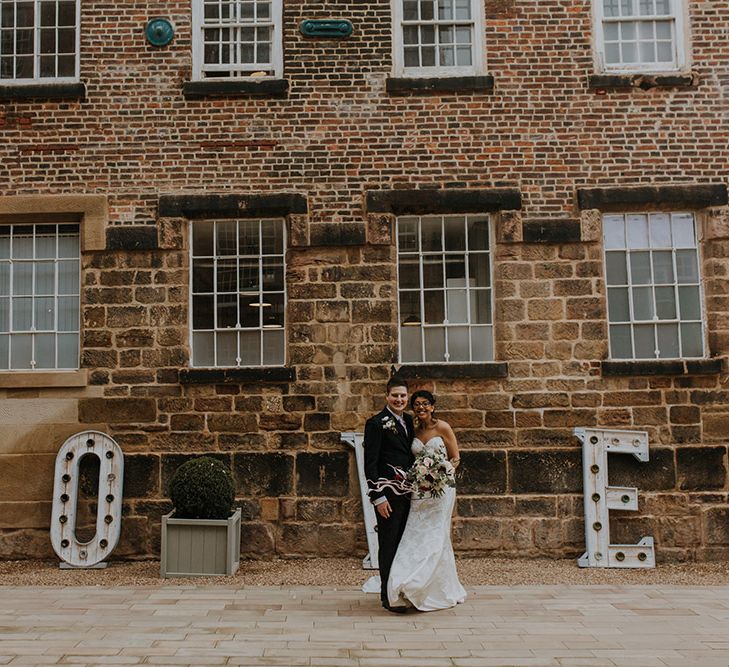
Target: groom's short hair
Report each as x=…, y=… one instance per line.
x=396, y=381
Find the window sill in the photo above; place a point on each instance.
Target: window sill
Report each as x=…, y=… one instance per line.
x=40, y=379
x=237, y=375
x=195, y=90
x=441, y=84
x=44, y=91
x=642, y=81
x=454, y=371
x=666, y=368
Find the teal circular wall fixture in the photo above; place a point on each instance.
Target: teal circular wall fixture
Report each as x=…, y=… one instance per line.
x=326, y=28
x=159, y=31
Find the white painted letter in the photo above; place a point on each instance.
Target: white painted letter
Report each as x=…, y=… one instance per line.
x=65, y=499
x=356, y=440
x=601, y=498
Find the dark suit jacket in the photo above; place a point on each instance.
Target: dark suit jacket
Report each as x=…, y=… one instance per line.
x=384, y=448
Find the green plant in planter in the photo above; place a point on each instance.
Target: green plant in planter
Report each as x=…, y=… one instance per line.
x=202, y=488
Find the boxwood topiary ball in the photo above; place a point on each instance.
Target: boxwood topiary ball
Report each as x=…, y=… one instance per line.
x=202, y=488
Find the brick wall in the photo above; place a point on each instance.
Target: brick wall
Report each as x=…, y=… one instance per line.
x=337, y=135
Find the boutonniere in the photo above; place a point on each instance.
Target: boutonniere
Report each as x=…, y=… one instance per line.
x=389, y=424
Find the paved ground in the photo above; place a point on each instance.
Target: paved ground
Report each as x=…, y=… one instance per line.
x=638, y=626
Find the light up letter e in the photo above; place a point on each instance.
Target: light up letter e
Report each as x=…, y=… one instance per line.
x=601, y=498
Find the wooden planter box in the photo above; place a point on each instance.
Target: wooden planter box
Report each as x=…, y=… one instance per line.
x=200, y=547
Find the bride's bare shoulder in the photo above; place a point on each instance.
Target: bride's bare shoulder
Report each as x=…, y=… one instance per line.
x=442, y=427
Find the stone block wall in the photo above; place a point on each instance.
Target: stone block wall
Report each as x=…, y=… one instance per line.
x=328, y=157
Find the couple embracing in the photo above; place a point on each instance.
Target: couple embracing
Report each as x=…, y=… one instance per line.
x=417, y=566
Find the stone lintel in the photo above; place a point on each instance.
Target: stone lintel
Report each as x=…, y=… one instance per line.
x=661, y=196
x=454, y=371
x=457, y=200
x=195, y=90
x=451, y=84
x=201, y=206
x=132, y=237
x=43, y=91
x=555, y=230
x=38, y=379
x=91, y=210
x=337, y=234
x=659, y=367
x=237, y=375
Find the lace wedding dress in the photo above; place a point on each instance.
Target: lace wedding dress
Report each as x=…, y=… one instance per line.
x=424, y=573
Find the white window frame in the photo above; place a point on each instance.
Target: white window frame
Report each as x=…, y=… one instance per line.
x=263, y=327
x=681, y=37
x=13, y=263
x=472, y=327
x=36, y=78
x=633, y=322
x=240, y=70
x=479, y=55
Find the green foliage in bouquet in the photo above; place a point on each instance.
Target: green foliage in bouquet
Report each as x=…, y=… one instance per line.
x=202, y=488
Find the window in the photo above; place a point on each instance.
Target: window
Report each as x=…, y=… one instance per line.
x=640, y=35
x=438, y=37
x=234, y=38
x=39, y=40
x=238, y=293
x=39, y=297
x=444, y=287
x=653, y=285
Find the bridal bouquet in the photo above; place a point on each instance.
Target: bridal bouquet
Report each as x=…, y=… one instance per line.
x=430, y=475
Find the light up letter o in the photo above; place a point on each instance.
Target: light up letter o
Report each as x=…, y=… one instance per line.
x=65, y=499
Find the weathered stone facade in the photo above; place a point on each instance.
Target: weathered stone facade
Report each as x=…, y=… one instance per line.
x=545, y=149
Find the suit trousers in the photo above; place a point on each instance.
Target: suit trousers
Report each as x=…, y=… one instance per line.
x=389, y=532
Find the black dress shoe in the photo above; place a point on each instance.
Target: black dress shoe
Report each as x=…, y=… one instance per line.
x=394, y=610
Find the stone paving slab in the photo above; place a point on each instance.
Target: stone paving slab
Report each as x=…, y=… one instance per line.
x=500, y=626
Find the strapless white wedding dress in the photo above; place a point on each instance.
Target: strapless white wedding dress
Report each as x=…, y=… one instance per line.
x=423, y=574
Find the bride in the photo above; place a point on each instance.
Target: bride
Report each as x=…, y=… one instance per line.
x=423, y=573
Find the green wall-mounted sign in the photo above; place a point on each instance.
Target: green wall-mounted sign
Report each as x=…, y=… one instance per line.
x=159, y=31
x=327, y=28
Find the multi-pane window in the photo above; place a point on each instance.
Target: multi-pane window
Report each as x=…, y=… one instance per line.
x=653, y=286
x=238, y=293
x=234, y=38
x=640, y=35
x=39, y=297
x=437, y=37
x=444, y=287
x=39, y=40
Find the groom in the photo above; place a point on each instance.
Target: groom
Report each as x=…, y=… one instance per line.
x=387, y=439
